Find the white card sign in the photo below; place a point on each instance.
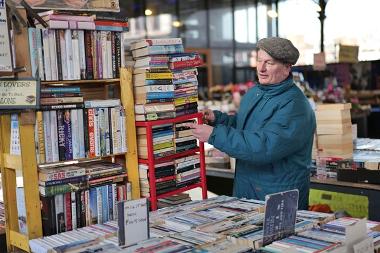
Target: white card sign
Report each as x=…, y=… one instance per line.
x=5, y=46
x=133, y=221
x=365, y=246
x=18, y=94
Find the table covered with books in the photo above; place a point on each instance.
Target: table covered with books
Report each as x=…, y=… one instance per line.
x=220, y=224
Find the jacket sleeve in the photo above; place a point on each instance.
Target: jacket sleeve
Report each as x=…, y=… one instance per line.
x=224, y=119
x=286, y=132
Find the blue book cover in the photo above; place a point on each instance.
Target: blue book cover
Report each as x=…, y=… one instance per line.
x=93, y=206
x=110, y=202
x=155, y=95
x=105, y=203
x=280, y=215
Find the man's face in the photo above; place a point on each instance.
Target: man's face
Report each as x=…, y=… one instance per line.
x=269, y=70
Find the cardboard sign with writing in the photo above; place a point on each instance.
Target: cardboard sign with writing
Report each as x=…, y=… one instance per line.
x=19, y=94
x=5, y=46
x=348, y=54
x=133, y=221
x=280, y=215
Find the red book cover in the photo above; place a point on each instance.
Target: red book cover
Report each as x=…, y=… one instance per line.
x=68, y=218
x=91, y=132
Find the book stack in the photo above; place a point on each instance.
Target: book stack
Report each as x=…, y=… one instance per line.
x=75, y=47
x=69, y=128
x=184, y=139
x=162, y=138
x=78, y=195
x=174, y=200
x=165, y=79
x=2, y=218
x=334, y=130
x=81, y=238
x=187, y=170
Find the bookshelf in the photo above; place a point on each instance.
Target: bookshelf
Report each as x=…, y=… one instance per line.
x=151, y=161
x=27, y=163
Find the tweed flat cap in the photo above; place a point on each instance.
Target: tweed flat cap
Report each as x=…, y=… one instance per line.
x=280, y=49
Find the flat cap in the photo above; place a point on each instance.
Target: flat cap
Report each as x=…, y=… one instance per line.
x=280, y=49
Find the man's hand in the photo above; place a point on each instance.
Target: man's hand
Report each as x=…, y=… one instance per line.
x=201, y=132
x=208, y=116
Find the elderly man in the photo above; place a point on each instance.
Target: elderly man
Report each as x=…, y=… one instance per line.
x=271, y=136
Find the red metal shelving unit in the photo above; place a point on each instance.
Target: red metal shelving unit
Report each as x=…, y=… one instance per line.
x=151, y=161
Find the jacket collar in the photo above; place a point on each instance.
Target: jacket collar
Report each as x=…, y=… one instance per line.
x=277, y=88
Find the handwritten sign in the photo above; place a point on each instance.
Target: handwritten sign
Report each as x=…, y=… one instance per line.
x=5, y=46
x=280, y=215
x=133, y=221
x=18, y=94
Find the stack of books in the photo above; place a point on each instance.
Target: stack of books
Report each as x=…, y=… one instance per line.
x=165, y=79
x=334, y=130
x=162, y=138
x=173, y=200
x=79, y=195
x=184, y=138
x=187, y=170
x=68, y=128
x=75, y=47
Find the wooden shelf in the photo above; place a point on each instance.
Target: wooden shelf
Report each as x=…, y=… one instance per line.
x=69, y=82
x=76, y=161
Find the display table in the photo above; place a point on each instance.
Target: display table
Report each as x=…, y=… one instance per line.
x=221, y=181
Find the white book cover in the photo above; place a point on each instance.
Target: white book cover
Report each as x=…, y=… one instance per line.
x=32, y=37
x=47, y=137
x=123, y=131
x=82, y=55
x=114, y=201
x=75, y=133
x=15, y=148
x=113, y=130
x=73, y=210
x=53, y=55
x=46, y=47
x=59, y=213
x=75, y=48
x=69, y=55
x=109, y=55
x=64, y=66
x=40, y=54
x=103, y=46
x=82, y=152
x=54, y=135
x=87, y=206
x=107, y=131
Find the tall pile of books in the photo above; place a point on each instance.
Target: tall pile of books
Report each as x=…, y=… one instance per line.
x=334, y=130
x=165, y=79
x=69, y=128
x=81, y=194
x=75, y=47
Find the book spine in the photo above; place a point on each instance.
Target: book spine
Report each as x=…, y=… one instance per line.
x=110, y=202
x=60, y=90
x=82, y=55
x=91, y=132
x=61, y=135
x=40, y=54
x=73, y=210
x=67, y=206
x=97, y=132
x=87, y=204
x=48, y=216
x=105, y=204
x=59, y=213
x=69, y=55
x=86, y=133
x=88, y=55
x=109, y=54
x=113, y=55
x=63, y=55
x=102, y=130
x=75, y=133
x=94, y=44
x=59, y=175
x=93, y=206
x=54, y=190
x=54, y=135
x=33, y=50
x=46, y=51
x=60, y=107
x=53, y=55
x=61, y=100
x=58, y=54
x=78, y=208
x=128, y=191
x=99, y=56
x=83, y=208
x=75, y=48
x=99, y=204
x=40, y=136
x=107, y=132
x=81, y=134
x=121, y=221
x=103, y=54
x=117, y=52
x=110, y=130
x=68, y=135
x=70, y=180
x=47, y=137
x=114, y=201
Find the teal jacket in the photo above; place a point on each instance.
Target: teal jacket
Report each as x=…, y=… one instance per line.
x=271, y=138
